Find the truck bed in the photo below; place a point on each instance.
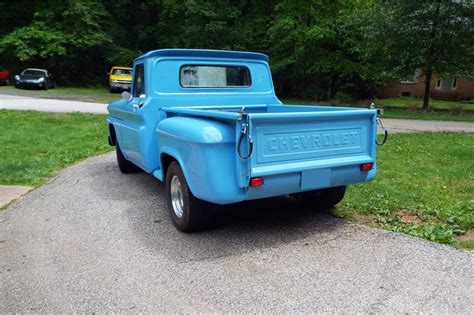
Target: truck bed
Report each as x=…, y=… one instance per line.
x=298, y=148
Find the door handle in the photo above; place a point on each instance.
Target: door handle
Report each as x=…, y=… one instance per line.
x=137, y=106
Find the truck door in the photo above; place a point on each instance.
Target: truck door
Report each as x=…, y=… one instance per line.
x=130, y=143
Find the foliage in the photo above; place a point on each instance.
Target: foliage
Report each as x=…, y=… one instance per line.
x=318, y=48
x=35, y=145
x=433, y=36
x=424, y=187
x=312, y=49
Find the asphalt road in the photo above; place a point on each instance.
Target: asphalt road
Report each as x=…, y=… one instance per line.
x=11, y=101
x=95, y=240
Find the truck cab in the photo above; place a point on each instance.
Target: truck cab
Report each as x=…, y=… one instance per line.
x=208, y=124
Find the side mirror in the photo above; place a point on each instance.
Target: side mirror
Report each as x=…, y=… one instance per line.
x=126, y=96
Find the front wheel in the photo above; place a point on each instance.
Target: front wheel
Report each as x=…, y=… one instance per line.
x=186, y=211
x=324, y=198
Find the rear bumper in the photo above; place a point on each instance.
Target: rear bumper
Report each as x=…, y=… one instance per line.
x=291, y=183
x=218, y=191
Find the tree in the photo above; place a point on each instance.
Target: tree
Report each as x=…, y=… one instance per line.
x=433, y=36
x=70, y=33
x=312, y=48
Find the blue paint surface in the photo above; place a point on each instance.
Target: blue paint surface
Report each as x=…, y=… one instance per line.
x=295, y=148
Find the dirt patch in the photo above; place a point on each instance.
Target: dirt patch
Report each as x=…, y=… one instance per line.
x=468, y=236
x=429, y=110
x=412, y=108
x=457, y=110
x=411, y=218
x=368, y=219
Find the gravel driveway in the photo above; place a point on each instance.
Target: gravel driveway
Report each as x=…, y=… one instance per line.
x=95, y=240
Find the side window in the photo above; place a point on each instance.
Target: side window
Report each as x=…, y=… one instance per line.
x=139, y=80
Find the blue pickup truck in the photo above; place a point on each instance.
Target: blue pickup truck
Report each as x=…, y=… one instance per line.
x=208, y=124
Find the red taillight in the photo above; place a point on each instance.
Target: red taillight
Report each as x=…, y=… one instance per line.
x=366, y=167
x=256, y=181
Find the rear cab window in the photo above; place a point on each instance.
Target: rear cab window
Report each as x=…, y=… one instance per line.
x=214, y=76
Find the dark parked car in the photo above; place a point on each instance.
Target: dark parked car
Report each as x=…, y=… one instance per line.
x=35, y=78
x=4, y=74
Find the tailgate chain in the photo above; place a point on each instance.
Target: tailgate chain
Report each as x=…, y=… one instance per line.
x=243, y=132
x=379, y=123
x=385, y=133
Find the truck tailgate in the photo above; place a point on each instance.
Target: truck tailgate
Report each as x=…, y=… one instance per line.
x=317, y=146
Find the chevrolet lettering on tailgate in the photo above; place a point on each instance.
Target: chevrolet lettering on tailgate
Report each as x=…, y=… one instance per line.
x=313, y=140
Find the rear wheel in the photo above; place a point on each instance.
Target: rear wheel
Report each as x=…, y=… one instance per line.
x=186, y=211
x=324, y=198
x=124, y=165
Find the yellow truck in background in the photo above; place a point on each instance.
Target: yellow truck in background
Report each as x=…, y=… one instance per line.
x=120, y=79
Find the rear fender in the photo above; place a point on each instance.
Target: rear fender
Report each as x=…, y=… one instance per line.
x=205, y=150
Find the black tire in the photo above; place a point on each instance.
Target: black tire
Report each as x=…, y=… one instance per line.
x=124, y=165
x=192, y=216
x=324, y=198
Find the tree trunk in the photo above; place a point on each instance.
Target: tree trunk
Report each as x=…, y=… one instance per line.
x=426, y=96
x=429, y=60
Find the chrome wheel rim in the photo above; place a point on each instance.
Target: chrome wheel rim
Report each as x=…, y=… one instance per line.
x=177, y=197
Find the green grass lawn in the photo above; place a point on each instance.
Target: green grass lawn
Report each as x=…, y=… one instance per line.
x=424, y=187
x=34, y=146
x=405, y=108
x=407, y=102
x=400, y=113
